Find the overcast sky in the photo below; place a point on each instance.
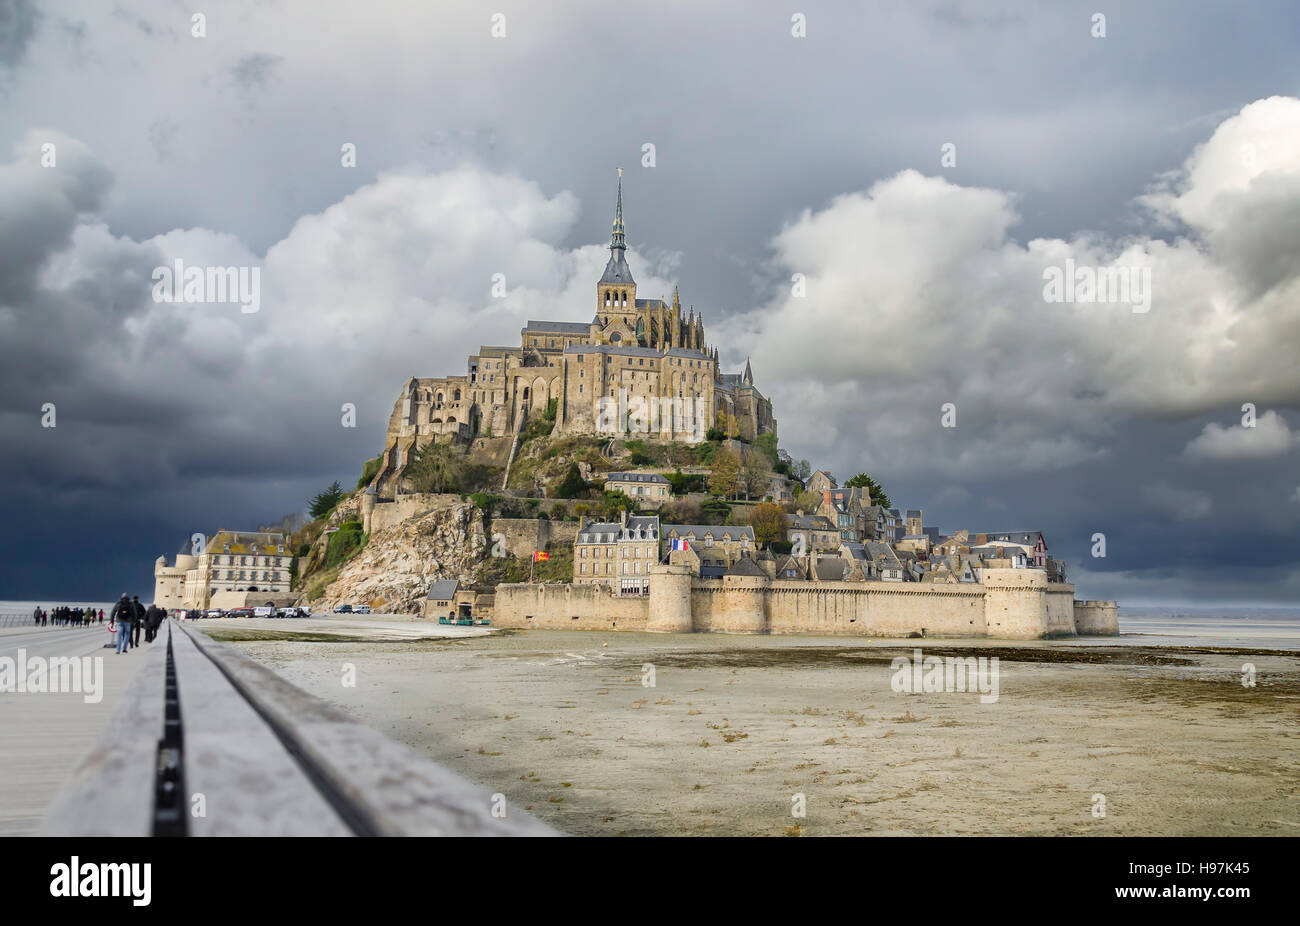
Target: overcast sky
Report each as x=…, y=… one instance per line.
x=1170, y=147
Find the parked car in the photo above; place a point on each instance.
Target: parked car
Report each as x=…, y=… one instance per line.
x=240, y=612
x=343, y=609
x=212, y=612
x=361, y=609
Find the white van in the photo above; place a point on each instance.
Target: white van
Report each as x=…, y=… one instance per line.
x=264, y=612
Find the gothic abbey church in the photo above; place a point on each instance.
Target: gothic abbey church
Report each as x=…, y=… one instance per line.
x=639, y=367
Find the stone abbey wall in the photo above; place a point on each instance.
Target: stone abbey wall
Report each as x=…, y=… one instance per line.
x=379, y=514
x=1010, y=603
x=522, y=536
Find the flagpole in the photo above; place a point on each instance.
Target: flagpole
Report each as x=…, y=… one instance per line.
x=531, y=563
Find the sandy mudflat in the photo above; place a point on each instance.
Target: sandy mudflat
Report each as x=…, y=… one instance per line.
x=560, y=723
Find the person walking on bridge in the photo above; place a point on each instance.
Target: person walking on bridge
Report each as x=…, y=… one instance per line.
x=138, y=623
x=123, y=615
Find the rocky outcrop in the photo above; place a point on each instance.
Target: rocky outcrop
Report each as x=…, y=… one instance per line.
x=394, y=571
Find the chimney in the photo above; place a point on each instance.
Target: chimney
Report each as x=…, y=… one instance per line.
x=623, y=519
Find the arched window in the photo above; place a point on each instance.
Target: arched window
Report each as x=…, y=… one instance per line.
x=457, y=395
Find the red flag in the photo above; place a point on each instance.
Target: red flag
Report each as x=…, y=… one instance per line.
x=539, y=556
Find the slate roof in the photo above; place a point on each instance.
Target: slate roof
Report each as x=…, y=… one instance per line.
x=718, y=531
x=617, y=270
x=882, y=554
x=609, y=531
x=831, y=568
x=811, y=522
x=746, y=567
x=855, y=550
x=444, y=589
x=1029, y=538
x=787, y=563
x=540, y=327
x=247, y=543
x=635, y=477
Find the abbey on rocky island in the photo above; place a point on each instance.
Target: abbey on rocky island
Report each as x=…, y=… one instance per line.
x=640, y=367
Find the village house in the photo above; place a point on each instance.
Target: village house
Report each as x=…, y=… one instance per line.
x=618, y=554
x=236, y=562
x=811, y=533
x=650, y=490
x=709, y=549
x=821, y=481
x=1031, y=542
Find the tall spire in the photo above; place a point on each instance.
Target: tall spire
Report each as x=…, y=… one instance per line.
x=616, y=239
x=617, y=271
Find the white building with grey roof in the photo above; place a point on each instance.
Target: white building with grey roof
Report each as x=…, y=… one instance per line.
x=617, y=554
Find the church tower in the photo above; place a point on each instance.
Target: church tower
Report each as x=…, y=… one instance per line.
x=616, y=291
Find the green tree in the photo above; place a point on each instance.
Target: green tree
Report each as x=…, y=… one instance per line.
x=755, y=474
x=572, y=485
x=615, y=502
x=802, y=470
x=436, y=468
x=368, y=471
x=878, y=496
x=768, y=521
x=766, y=444
x=325, y=501
x=725, y=474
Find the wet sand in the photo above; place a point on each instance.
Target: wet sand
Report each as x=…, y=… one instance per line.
x=735, y=727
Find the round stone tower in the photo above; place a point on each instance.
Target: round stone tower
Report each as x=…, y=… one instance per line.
x=367, y=507
x=670, y=600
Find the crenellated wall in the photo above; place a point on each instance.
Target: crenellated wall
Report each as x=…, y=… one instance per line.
x=1009, y=603
x=557, y=606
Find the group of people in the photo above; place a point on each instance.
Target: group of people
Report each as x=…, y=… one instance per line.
x=67, y=617
x=131, y=617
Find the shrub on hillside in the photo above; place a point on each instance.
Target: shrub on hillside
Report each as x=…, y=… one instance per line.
x=368, y=471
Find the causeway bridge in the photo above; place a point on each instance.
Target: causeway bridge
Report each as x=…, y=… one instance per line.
x=204, y=741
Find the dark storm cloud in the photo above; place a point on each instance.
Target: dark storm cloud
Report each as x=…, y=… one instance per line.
x=174, y=419
x=18, y=19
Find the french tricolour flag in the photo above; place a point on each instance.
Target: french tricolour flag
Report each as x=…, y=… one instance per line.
x=679, y=545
